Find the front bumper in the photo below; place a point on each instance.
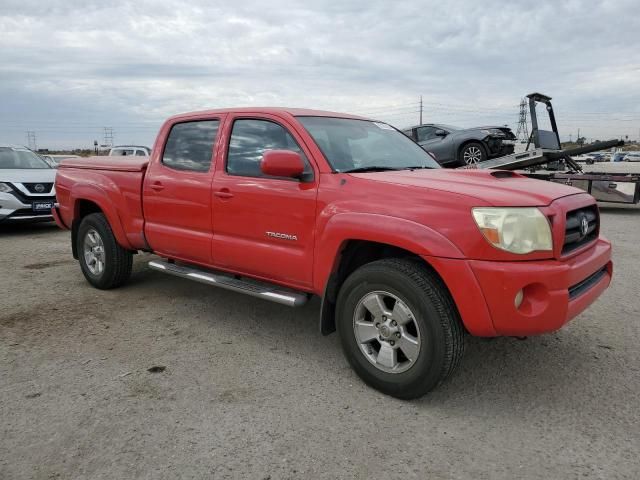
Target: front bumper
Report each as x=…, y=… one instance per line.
x=499, y=147
x=554, y=291
x=14, y=210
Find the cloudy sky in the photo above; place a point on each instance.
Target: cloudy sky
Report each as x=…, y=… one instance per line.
x=70, y=68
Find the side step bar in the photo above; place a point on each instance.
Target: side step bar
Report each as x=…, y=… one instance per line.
x=254, y=288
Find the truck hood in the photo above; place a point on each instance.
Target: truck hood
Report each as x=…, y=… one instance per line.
x=28, y=175
x=493, y=187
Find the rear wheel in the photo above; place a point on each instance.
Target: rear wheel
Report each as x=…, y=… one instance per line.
x=399, y=328
x=104, y=263
x=472, y=154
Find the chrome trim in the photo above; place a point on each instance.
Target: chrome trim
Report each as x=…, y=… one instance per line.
x=26, y=217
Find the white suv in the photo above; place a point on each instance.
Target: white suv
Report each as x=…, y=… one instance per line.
x=27, y=193
x=129, y=150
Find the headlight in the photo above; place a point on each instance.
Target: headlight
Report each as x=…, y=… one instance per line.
x=516, y=230
x=4, y=188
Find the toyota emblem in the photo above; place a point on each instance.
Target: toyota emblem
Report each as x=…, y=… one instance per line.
x=584, y=226
x=39, y=188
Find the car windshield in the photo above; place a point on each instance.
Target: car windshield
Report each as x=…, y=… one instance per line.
x=18, y=158
x=447, y=127
x=350, y=144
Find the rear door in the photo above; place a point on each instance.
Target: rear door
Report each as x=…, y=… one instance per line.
x=264, y=226
x=177, y=192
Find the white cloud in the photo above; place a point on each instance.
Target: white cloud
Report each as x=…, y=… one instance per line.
x=71, y=67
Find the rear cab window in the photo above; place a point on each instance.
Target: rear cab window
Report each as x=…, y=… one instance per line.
x=190, y=145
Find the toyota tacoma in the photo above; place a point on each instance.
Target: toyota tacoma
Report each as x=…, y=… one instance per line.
x=284, y=204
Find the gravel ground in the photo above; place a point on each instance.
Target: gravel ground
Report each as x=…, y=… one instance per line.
x=252, y=390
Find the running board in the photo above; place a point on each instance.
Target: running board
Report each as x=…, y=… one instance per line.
x=254, y=288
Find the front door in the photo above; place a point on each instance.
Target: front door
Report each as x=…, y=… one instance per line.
x=263, y=226
x=437, y=145
x=177, y=192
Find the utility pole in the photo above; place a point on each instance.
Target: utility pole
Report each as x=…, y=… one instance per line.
x=31, y=140
x=421, y=108
x=522, y=133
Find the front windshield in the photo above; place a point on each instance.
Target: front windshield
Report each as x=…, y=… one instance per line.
x=18, y=158
x=350, y=144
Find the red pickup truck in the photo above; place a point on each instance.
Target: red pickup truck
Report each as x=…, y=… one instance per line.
x=283, y=204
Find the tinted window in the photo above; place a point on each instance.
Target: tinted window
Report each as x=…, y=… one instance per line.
x=250, y=139
x=141, y=153
x=190, y=145
x=121, y=152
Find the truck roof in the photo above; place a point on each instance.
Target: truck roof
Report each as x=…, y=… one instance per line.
x=296, y=112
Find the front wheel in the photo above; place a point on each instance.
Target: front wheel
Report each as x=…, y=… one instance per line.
x=104, y=263
x=399, y=328
x=472, y=154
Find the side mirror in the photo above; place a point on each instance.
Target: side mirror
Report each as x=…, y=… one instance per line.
x=282, y=163
x=441, y=133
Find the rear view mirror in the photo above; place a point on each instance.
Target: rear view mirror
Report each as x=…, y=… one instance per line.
x=441, y=133
x=282, y=163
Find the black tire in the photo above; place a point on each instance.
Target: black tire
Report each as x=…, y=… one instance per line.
x=441, y=331
x=117, y=262
x=475, y=151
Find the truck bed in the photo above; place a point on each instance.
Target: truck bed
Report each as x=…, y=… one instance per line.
x=119, y=181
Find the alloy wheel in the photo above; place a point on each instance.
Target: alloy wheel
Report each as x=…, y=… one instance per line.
x=472, y=155
x=386, y=332
x=94, y=252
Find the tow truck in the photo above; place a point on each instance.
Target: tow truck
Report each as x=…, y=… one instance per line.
x=546, y=160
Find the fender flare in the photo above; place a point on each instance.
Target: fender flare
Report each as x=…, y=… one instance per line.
x=95, y=194
x=344, y=227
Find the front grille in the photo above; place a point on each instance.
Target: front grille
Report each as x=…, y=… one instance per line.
x=587, y=283
x=28, y=199
x=33, y=187
x=574, y=235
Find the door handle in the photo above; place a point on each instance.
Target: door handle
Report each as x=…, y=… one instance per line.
x=157, y=186
x=223, y=193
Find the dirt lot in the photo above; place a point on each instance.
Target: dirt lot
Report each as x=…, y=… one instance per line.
x=252, y=390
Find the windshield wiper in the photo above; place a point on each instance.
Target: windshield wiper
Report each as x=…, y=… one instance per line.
x=372, y=168
x=418, y=167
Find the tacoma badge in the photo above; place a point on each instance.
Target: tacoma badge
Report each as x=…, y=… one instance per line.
x=284, y=236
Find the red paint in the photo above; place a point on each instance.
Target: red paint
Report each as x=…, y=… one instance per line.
x=221, y=221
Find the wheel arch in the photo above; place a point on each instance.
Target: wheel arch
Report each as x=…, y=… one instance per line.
x=341, y=254
x=95, y=201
